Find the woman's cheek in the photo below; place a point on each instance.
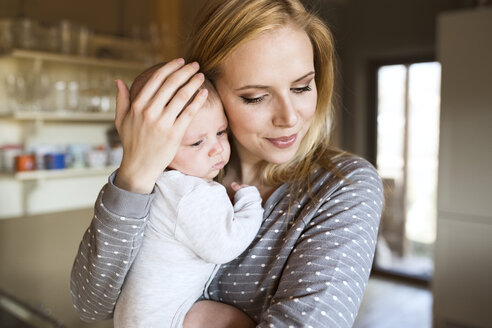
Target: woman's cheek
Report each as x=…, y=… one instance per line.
x=245, y=119
x=307, y=108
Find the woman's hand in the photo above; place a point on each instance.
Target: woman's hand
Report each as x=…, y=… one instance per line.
x=210, y=314
x=149, y=128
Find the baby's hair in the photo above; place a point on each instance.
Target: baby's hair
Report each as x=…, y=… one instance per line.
x=143, y=77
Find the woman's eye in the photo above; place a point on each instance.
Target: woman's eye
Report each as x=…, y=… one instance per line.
x=196, y=144
x=252, y=100
x=301, y=90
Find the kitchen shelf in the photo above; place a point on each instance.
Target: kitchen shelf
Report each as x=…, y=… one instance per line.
x=78, y=60
x=59, y=174
x=44, y=191
x=61, y=116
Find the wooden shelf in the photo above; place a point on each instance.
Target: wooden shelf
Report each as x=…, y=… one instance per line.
x=62, y=116
x=44, y=191
x=59, y=174
x=78, y=60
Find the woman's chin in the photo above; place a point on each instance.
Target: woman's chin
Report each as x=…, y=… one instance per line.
x=279, y=159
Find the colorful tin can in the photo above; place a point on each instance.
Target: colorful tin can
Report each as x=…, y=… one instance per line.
x=25, y=162
x=54, y=161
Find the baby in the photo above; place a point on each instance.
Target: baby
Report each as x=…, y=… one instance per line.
x=192, y=228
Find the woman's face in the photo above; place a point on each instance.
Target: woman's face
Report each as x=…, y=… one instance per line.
x=269, y=94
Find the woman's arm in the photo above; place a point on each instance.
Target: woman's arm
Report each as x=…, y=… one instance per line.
x=150, y=131
x=327, y=272
x=107, y=250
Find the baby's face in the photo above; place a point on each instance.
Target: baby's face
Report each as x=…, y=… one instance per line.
x=204, y=150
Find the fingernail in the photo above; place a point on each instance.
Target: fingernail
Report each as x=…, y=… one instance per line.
x=200, y=76
x=203, y=92
x=180, y=61
x=195, y=65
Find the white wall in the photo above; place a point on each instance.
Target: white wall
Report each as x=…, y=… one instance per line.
x=462, y=283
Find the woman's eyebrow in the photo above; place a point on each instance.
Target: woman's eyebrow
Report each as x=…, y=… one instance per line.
x=252, y=87
x=257, y=86
x=304, y=76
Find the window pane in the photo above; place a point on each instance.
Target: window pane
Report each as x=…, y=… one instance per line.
x=390, y=160
x=407, y=155
x=423, y=143
x=391, y=121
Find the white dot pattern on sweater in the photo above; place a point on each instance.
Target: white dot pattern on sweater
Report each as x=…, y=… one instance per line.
x=308, y=266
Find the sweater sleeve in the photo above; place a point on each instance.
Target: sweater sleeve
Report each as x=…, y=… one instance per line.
x=328, y=269
x=107, y=250
x=213, y=228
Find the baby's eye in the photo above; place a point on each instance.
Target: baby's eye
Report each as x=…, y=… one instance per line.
x=223, y=132
x=196, y=144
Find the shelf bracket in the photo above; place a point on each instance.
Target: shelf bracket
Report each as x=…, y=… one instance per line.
x=27, y=188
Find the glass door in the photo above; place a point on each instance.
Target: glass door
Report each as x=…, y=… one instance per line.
x=408, y=103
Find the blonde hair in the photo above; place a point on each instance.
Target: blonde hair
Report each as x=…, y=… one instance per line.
x=223, y=25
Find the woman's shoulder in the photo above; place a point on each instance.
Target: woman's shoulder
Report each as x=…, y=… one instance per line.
x=346, y=164
x=350, y=183
x=344, y=171
x=347, y=172
x=344, y=167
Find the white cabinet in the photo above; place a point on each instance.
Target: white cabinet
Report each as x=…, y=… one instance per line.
x=56, y=116
x=462, y=285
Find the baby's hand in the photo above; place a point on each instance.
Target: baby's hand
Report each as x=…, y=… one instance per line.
x=236, y=186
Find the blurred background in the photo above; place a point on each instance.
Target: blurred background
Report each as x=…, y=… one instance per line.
x=414, y=96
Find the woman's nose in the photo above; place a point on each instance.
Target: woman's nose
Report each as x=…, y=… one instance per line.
x=285, y=114
x=216, y=148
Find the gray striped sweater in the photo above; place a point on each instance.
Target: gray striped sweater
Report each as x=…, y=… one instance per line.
x=308, y=266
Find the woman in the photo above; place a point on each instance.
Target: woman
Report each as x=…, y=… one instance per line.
x=272, y=65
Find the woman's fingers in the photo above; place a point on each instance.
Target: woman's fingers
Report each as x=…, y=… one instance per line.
x=182, y=122
x=155, y=82
x=173, y=87
x=122, y=103
x=185, y=96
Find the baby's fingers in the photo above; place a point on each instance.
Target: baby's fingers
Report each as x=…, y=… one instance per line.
x=236, y=186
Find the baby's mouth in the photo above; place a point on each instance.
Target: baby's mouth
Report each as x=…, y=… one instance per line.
x=219, y=166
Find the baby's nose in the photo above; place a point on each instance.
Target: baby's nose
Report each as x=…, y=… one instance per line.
x=216, y=149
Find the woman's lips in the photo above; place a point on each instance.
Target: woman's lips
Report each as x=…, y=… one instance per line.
x=283, y=142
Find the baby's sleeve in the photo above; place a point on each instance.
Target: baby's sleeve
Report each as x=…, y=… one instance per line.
x=213, y=228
